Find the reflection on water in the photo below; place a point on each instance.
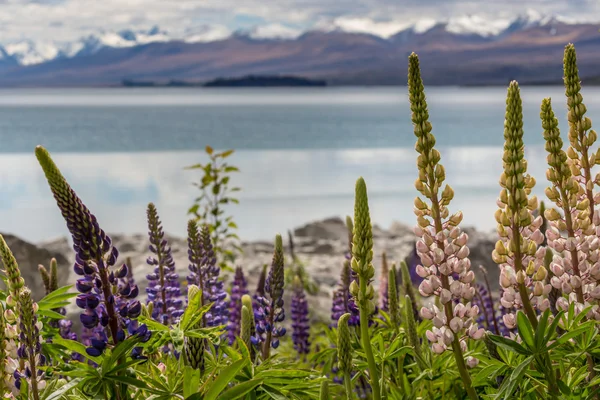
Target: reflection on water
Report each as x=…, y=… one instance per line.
x=281, y=189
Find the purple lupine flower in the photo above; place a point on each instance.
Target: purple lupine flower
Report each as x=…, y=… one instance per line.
x=269, y=313
x=342, y=299
x=488, y=317
x=163, y=284
x=412, y=261
x=239, y=287
x=107, y=300
x=260, y=287
x=383, y=284
x=204, y=273
x=300, y=322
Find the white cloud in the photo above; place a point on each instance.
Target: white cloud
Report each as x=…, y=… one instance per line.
x=383, y=29
x=68, y=20
x=275, y=31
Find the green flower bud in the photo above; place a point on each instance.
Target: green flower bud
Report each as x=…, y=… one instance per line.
x=408, y=288
x=45, y=277
x=246, y=326
x=344, y=345
x=324, y=392
x=11, y=271
x=411, y=331
x=393, y=305
x=193, y=348
x=3, y=358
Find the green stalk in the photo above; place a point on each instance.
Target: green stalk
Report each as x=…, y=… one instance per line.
x=365, y=338
x=348, y=386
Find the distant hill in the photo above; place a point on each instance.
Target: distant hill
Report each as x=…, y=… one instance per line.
x=264, y=81
x=452, y=53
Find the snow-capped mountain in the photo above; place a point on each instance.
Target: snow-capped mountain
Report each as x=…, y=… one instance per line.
x=461, y=50
x=27, y=52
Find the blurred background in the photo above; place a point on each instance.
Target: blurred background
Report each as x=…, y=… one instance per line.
x=310, y=94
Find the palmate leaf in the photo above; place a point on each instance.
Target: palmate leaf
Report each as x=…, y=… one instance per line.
x=240, y=390
x=75, y=347
x=509, y=385
x=57, y=299
x=509, y=344
x=226, y=376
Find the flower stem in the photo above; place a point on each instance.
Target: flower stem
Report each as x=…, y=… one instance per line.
x=366, y=341
x=348, y=386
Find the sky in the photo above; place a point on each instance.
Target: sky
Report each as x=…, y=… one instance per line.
x=66, y=20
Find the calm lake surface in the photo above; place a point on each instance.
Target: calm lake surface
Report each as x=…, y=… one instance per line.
x=299, y=150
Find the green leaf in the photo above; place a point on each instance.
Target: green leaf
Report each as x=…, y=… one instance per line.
x=57, y=394
x=50, y=314
x=224, y=378
x=540, y=331
x=195, y=166
x=525, y=330
x=209, y=150
x=238, y=391
x=75, y=347
x=231, y=169
x=191, y=380
x=57, y=299
x=586, y=327
x=508, y=344
x=226, y=154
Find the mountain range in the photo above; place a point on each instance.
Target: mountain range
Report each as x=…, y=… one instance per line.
x=468, y=50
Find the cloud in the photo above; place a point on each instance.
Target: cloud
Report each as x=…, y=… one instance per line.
x=65, y=20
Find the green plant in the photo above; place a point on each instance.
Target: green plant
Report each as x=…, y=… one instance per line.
x=209, y=207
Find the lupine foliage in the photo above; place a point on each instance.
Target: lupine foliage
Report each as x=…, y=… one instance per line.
x=536, y=338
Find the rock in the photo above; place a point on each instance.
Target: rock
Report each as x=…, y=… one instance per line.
x=320, y=246
x=30, y=256
x=330, y=228
x=398, y=229
x=481, y=245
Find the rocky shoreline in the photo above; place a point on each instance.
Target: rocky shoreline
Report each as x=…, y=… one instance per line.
x=320, y=246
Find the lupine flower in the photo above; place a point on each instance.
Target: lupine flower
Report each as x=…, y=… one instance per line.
x=411, y=331
x=246, y=324
x=30, y=348
x=362, y=264
x=107, y=300
x=393, y=302
x=441, y=245
x=194, y=347
x=581, y=134
x=573, y=273
x=249, y=304
x=204, y=273
x=260, y=287
x=239, y=288
x=345, y=352
x=522, y=273
x=407, y=286
x=269, y=314
x=4, y=377
x=324, y=390
x=130, y=278
x=412, y=260
x=383, y=284
x=487, y=317
x=342, y=299
x=163, y=284
x=300, y=322
x=15, y=281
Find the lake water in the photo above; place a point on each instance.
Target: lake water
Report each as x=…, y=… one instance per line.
x=299, y=150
